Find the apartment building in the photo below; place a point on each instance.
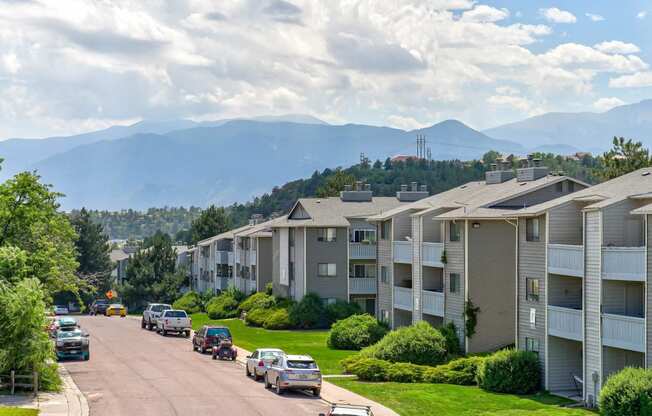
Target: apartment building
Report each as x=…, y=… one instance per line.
x=253, y=257
x=326, y=246
x=583, y=273
x=438, y=255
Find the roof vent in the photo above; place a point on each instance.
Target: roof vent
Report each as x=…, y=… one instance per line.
x=361, y=192
x=415, y=193
x=500, y=172
x=531, y=170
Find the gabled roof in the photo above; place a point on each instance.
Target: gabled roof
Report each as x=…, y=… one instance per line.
x=258, y=230
x=227, y=235
x=333, y=212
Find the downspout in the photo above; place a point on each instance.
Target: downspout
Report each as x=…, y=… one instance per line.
x=516, y=303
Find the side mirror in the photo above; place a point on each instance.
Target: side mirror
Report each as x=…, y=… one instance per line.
x=85, y=334
x=248, y=356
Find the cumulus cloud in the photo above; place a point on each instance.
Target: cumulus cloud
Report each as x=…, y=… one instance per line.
x=641, y=15
x=483, y=13
x=639, y=79
x=616, y=46
x=405, y=122
x=555, y=15
x=519, y=103
x=594, y=17
x=607, y=103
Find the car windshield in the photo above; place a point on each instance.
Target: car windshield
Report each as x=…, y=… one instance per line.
x=303, y=364
x=213, y=332
x=159, y=308
x=101, y=302
x=67, y=322
x=175, y=314
x=270, y=354
x=68, y=334
x=116, y=305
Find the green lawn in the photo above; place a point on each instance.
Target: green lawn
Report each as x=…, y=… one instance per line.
x=450, y=400
x=17, y=411
x=311, y=342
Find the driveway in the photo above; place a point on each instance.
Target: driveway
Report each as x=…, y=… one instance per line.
x=135, y=372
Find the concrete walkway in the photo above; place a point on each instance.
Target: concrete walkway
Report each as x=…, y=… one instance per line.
x=68, y=402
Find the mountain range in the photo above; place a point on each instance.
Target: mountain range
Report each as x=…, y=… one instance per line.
x=183, y=163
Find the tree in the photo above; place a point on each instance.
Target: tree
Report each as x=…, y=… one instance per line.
x=625, y=156
x=212, y=221
x=92, y=252
x=388, y=164
x=335, y=183
x=490, y=157
x=378, y=164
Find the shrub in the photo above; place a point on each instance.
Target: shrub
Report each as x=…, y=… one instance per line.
x=416, y=344
x=279, y=318
x=190, y=302
x=269, y=288
x=235, y=293
x=355, y=332
x=222, y=306
x=628, y=392
x=371, y=369
x=452, y=340
x=510, y=371
x=341, y=310
x=308, y=313
x=405, y=373
x=462, y=371
x=258, y=300
x=256, y=317
x=349, y=362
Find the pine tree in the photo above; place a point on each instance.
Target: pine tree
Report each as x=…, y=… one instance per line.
x=92, y=252
x=211, y=222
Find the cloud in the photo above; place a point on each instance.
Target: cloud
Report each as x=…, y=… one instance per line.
x=483, y=13
x=616, y=46
x=641, y=15
x=405, y=123
x=639, y=79
x=594, y=17
x=10, y=63
x=520, y=103
x=573, y=54
x=556, y=15
x=604, y=104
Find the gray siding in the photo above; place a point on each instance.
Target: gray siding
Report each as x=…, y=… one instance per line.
x=615, y=359
x=492, y=284
x=623, y=298
x=592, y=291
x=649, y=293
x=385, y=289
x=277, y=288
x=565, y=222
x=620, y=228
x=565, y=362
x=402, y=226
x=299, y=264
x=299, y=213
x=264, y=259
x=431, y=229
x=565, y=291
x=541, y=195
x=327, y=252
x=454, y=302
x=417, y=279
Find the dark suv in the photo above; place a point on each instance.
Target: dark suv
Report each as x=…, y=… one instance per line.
x=209, y=336
x=99, y=306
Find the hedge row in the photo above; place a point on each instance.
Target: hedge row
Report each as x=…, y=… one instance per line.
x=356, y=332
x=628, y=392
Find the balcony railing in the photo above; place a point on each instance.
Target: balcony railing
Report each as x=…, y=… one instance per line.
x=431, y=254
x=626, y=332
x=623, y=263
x=362, y=285
x=403, y=298
x=362, y=251
x=403, y=251
x=565, y=322
x=433, y=303
x=222, y=256
x=252, y=257
x=565, y=259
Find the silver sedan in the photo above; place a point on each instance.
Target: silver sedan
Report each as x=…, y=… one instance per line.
x=260, y=360
x=294, y=372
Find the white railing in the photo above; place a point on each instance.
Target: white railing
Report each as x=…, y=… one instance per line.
x=566, y=259
x=252, y=257
x=237, y=255
x=230, y=258
x=362, y=250
x=403, y=298
x=565, y=322
x=431, y=254
x=433, y=302
x=222, y=256
x=623, y=263
x=362, y=285
x=403, y=251
x=626, y=332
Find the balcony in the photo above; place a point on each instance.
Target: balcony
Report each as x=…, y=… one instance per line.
x=362, y=251
x=403, y=252
x=433, y=303
x=431, y=254
x=626, y=332
x=623, y=263
x=565, y=259
x=222, y=256
x=403, y=298
x=362, y=285
x=252, y=257
x=565, y=322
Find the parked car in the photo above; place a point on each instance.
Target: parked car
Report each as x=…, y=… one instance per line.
x=224, y=350
x=209, y=336
x=260, y=360
x=74, y=308
x=348, y=410
x=152, y=313
x=72, y=344
x=295, y=372
x=61, y=310
x=116, y=309
x=66, y=323
x=174, y=320
x=98, y=307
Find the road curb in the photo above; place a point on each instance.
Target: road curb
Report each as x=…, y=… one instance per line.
x=77, y=403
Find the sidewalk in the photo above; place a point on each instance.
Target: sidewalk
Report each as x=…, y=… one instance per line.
x=68, y=402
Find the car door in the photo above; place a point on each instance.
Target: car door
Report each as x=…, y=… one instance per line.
x=275, y=369
x=252, y=362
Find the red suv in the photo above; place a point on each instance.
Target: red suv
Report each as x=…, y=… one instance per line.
x=208, y=337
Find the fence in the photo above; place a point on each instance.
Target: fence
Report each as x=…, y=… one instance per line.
x=12, y=381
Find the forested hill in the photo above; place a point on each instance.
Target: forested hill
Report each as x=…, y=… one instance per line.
x=385, y=179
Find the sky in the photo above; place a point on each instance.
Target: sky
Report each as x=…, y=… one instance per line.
x=74, y=66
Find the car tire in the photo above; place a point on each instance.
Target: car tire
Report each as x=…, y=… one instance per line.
x=142, y=324
x=267, y=383
x=187, y=333
x=87, y=356
x=316, y=392
x=202, y=350
x=256, y=376
x=164, y=332
x=247, y=373
x=214, y=356
x=279, y=389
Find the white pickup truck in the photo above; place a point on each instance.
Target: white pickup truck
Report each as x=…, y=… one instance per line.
x=152, y=313
x=174, y=320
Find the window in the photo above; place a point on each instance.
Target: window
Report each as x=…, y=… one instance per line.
x=327, y=269
x=532, y=344
x=386, y=230
x=454, y=230
x=454, y=283
x=326, y=234
x=383, y=274
x=364, y=236
x=362, y=270
x=532, y=230
x=532, y=289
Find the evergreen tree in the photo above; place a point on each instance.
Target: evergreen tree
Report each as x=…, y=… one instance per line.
x=625, y=156
x=211, y=222
x=92, y=252
x=378, y=164
x=388, y=164
x=335, y=183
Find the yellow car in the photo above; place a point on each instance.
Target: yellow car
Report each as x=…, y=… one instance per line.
x=116, y=309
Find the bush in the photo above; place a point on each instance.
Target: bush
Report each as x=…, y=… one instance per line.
x=628, y=392
x=356, y=332
x=341, y=310
x=510, y=371
x=235, y=293
x=370, y=369
x=277, y=319
x=222, y=306
x=405, y=373
x=256, y=317
x=349, y=362
x=190, y=302
x=416, y=344
x=462, y=371
x=452, y=340
x=308, y=313
x=269, y=288
x=258, y=300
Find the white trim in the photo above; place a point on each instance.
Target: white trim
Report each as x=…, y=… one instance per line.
x=645, y=289
x=546, y=279
x=305, y=261
x=348, y=264
x=391, y=265
x=466, y=280
x=584, y=377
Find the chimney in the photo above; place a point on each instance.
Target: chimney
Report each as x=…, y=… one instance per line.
x=533, y=171
x=403, y=188
x=414, y=194
x=415, y=186
x=361, y=192
x=501, y=172
x=348, y=188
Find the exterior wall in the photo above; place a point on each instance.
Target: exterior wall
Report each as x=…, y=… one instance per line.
x=299, y=213
x=454, y=302
x=565, y=222
x=620, y=228
x=431, y=229
x=541, y=195
x=592, y=296
x=623, y=298
x=299, y=265
x=648, y=293
x=532, y=264
x=417, y=279
x=492, y=283
x=264, y=258
x=615, y=359
x=327, y=252
x=385, y=289
x=565, y=362
x=564, y=291
x=277, y=288
x=402, y=227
